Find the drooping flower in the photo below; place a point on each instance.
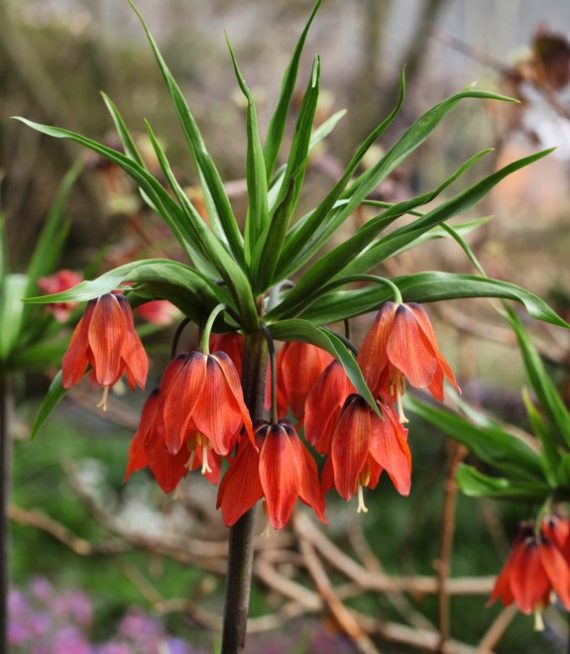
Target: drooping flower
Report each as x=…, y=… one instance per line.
x=281, y=471
x=535, y=567
x=158, y=312
x=323, y=405
x=298, y=368
x=362, y=445
x=401, y=345
x=56, y=283
x=232, y=344
x=201, y=395
x=148, y=450
x=105, y=338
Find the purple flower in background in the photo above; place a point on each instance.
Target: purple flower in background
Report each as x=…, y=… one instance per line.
x=70, y=639
x=41, y=589
x=115, y=648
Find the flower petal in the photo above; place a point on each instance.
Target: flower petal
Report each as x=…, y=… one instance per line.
x=279, y=474
x=75, y=360
x=138, y=450
x=410, y=350
x=556, y=568
x=240, y=487
x=133, y=352
x=389, y=447
x=107, y=331
x=349, y=445
x=372, y=357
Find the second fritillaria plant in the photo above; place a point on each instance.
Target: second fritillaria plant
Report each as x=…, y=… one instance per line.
x=236, y=285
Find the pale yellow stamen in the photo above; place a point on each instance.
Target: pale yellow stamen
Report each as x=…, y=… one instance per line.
x=361, y=506
x=267, y=530
x=103, y=403
x=538, y=621
x=178, y=494
x=400, y=390
x=205, y=465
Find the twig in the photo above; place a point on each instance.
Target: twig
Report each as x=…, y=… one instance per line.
x=342, y=615
x=456, y=453
x=497, y=629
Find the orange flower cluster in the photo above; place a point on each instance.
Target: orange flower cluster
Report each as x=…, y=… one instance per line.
x=537, y=567
x=197, y=416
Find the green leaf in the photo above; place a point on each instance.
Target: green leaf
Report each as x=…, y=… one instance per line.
x=345, y=256
x=131, y=149
x=430, y=286
x=163, y=204
x=204, y=161
x=233, y=275
x=476, y=484
x=269, y=246
x=11, y=313
x=257, y=213
x=53, y=397
x=48, y=248
x=303, y=330
x=551, y=455
x=198, y=288
x=546, y=392
x=491, y=444
x=408, y=234
x=279, y=118
x=299, y=238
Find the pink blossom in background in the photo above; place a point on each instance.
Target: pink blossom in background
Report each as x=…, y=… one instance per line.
x=56, y=283
x=158, y=312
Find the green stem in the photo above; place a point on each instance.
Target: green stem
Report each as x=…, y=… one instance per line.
x=240, y=554
x=205, y=339
x=5, y=450
x=377, y=280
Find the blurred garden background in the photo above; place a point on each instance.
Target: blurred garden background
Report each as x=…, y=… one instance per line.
x=106, y=568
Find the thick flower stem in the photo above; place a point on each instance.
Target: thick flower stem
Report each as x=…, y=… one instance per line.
x=4, y=490
x=240, y=555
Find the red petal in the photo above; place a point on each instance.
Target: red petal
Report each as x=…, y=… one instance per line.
x=168, y=469
x=309, y=489
x=75, y=360
x=133, y=353
x=529, y=582
x=234, y=384
x=327, y=476
x=323, y=404
x=502, y=587
x=410, y=350
x=232, y=344
x=372, y=355
x=107, y=331
x=180, y=389
x=279, y=474
x=350, y=443
x=389, y=447
x=138, y=450
x=217, y=413
x=299, y=366
x=556, y=568
x=445, y=369
x=240, y=487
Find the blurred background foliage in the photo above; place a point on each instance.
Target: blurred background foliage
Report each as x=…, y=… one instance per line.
x=55, y=57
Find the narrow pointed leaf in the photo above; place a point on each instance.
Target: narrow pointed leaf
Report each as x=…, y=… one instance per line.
x=52, y=398
x=279, y=118
x=11, y=312
x=546, y=392
x=204, y=161
x=302, y=330
x=550, y=453
x=131, y=149
x=257, y=213
x=492, y=445
x=430, y=286
x=476, y=484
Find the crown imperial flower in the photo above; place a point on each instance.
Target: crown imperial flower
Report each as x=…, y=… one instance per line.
x=281, y=471
x=105, y=338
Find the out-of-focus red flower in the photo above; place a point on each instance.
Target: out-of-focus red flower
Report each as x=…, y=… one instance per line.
x=158, y=312
x=362, y=445
x=281, y=471
x=298, y=368
x=534, y=569
x=201, y=394
x=105, y=338
x=402, y=345
x=230, y=343
x=323, y=405
x=56, y=283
